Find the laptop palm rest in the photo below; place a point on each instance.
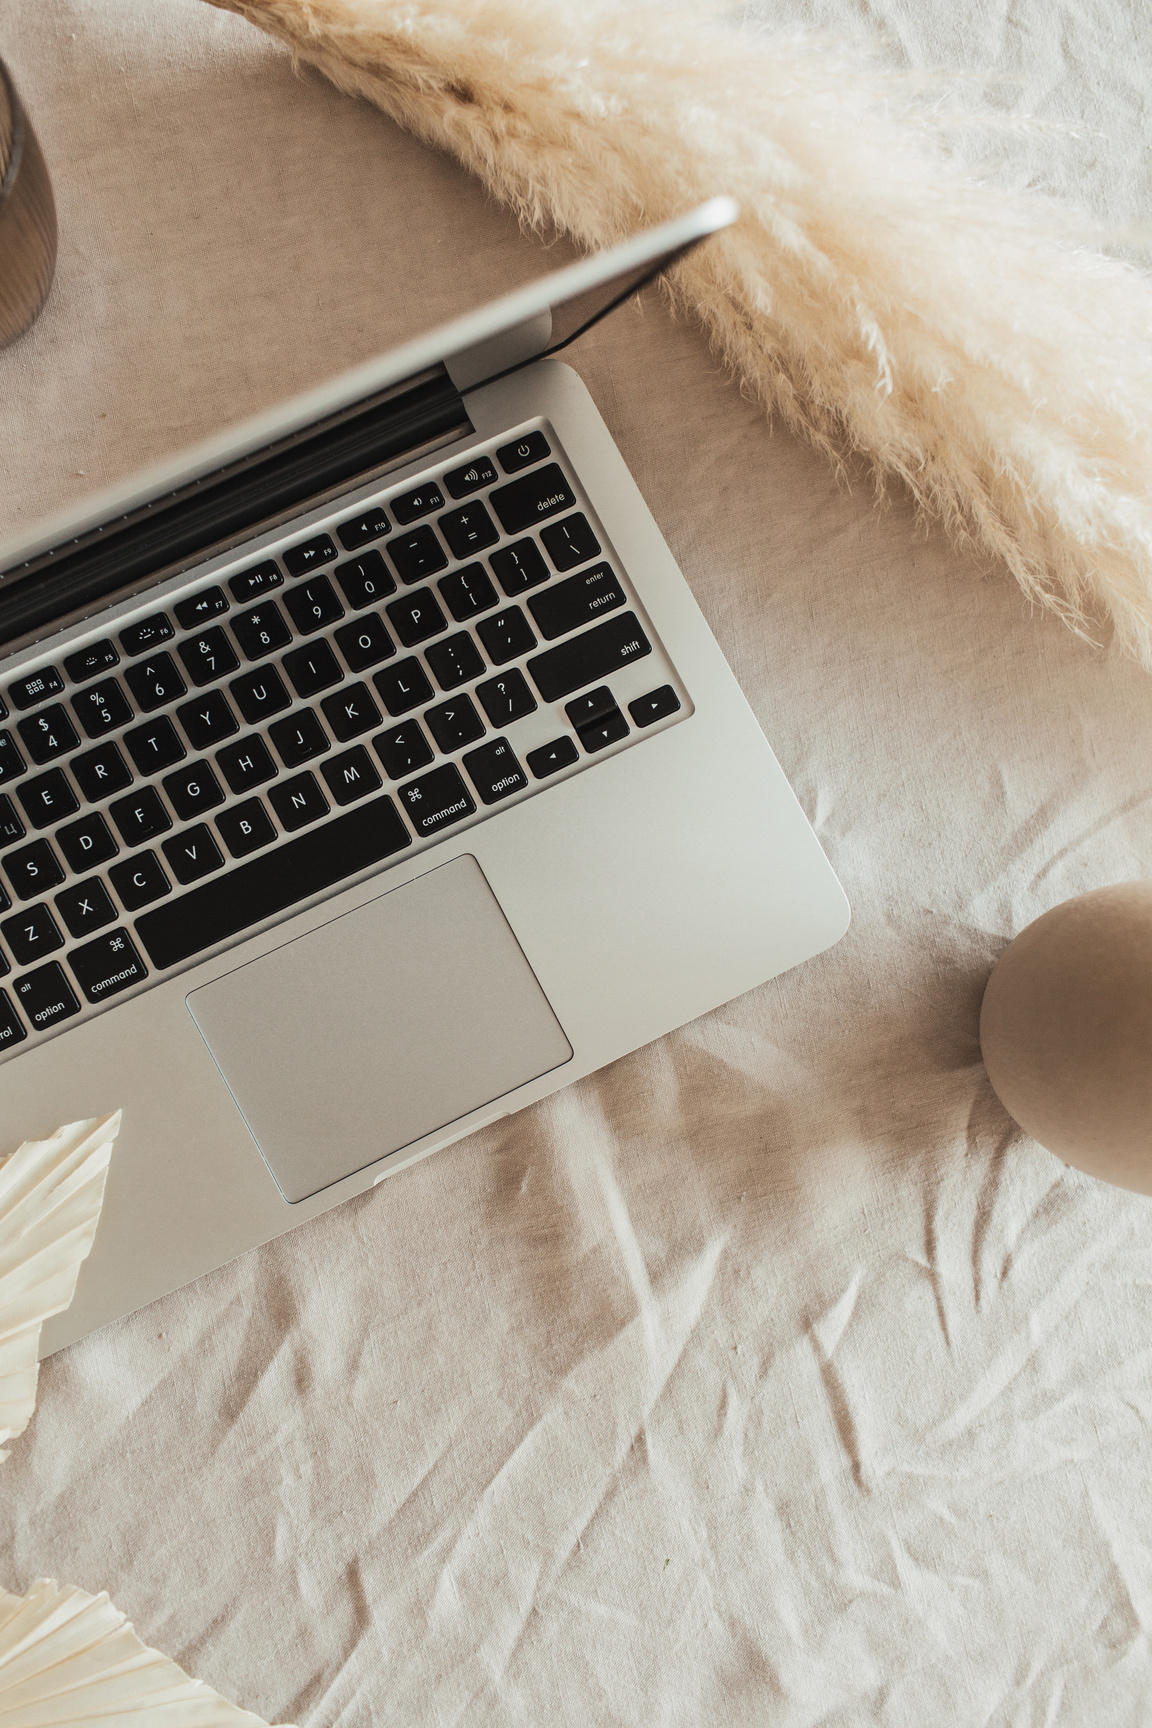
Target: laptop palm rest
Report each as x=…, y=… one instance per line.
x=379, y=1027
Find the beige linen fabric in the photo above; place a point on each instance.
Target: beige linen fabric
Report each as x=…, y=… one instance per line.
x=770, y=1376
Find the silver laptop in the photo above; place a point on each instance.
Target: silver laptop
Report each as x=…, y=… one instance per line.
x=366, y=775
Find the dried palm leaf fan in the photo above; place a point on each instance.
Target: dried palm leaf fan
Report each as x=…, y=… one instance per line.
x=27, y=218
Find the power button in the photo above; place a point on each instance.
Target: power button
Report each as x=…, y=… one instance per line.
x=533, y=447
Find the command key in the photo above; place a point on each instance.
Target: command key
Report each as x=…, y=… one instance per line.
x=107, y=965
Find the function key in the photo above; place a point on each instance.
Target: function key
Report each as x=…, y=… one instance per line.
x=358, y=530
x=657, y=705
x=250, y=583
x=209, y=603
x=107, y=966
x=494, y=771
x=550, y=758
x=45, y=995
x=138, y=638
x=309, y=555
x=532, y=447
x=88, y=662
x=531, y=499
x=420, y=502
x=11, y=1026
x=11, y=827
x=365, y=580
x=35, y=687
x=461, y=481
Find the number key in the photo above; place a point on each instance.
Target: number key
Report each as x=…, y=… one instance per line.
x=261, y=631
x=102, y=708
x=154, y=682
x=49, y=733
x=208, y=657
x=314, y=605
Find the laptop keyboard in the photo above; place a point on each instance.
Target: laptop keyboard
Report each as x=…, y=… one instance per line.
x=259, y=736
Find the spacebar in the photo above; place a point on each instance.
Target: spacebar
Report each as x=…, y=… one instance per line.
x=272, y=882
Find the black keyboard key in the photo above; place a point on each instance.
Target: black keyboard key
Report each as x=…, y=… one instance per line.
x=91, y=661
x=578, y=600
x=12, y=1030
x=532, y=447
x=11, y=761
x=258, y=695
x=351, y=713
x=86, y=906
x=249, y=584
x=33, y=869
x=154, y=746
x=148, y=633
x=209, y=718
x=5, y=964
x=455, y=661
x=139, y=880
x=358, y=530
x=198, y=608
x=47, y=798
x=102, y=708
x=494, y=771
x=32, y=935
x=45, y=996
x=417, y=554
x=592, y=705
x=596, y=654
x=155, y=682
x=570, y=542
x=99, y=773
x=540, y=494
x=608, y=730
x=87, y=843
x=309, y=555
x=463, y=481
x=11, y=827
x=364, y=643
x=208, y=656
x=266, y=886
x=246, y=763
x=454, y=724
x=467, y=592
x=193, y=854
x=261, y=631
x=140, y=816
x=107, y=966
x=5, y=899
x=550, y=758
x=298, y=802
x=403, y=749
x=351, y=775
x=506, y=635
x=403, y=687
x=35, y=687
x=246, y=827
x=193, y=790
x=506, y=698
x=313, y=668
x=519, y=566
x=364, y=581
x=468, y=530
x=436, y=800
x=313, y=606
x=421, y=502
x=415, y=617
x=299, y=738
x=48, y=734
x=657, y=705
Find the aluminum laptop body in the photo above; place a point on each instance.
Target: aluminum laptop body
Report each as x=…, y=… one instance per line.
x=366, y=775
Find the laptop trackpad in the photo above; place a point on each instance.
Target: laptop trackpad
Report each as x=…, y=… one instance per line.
x=379, y=1027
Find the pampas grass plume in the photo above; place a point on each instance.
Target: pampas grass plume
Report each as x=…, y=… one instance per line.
x=879, y=300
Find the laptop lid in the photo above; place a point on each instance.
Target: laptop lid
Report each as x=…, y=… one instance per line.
x=367, y=421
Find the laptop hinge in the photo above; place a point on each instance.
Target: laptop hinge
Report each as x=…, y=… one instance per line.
x=223, y=508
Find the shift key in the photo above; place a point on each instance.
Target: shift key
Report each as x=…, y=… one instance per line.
x=587, y=659
x=576, y=601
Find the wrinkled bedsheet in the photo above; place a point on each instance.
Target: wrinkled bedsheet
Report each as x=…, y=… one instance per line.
x=770, y=1376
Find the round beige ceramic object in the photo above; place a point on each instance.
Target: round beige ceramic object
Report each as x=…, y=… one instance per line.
x=1066, y=1032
